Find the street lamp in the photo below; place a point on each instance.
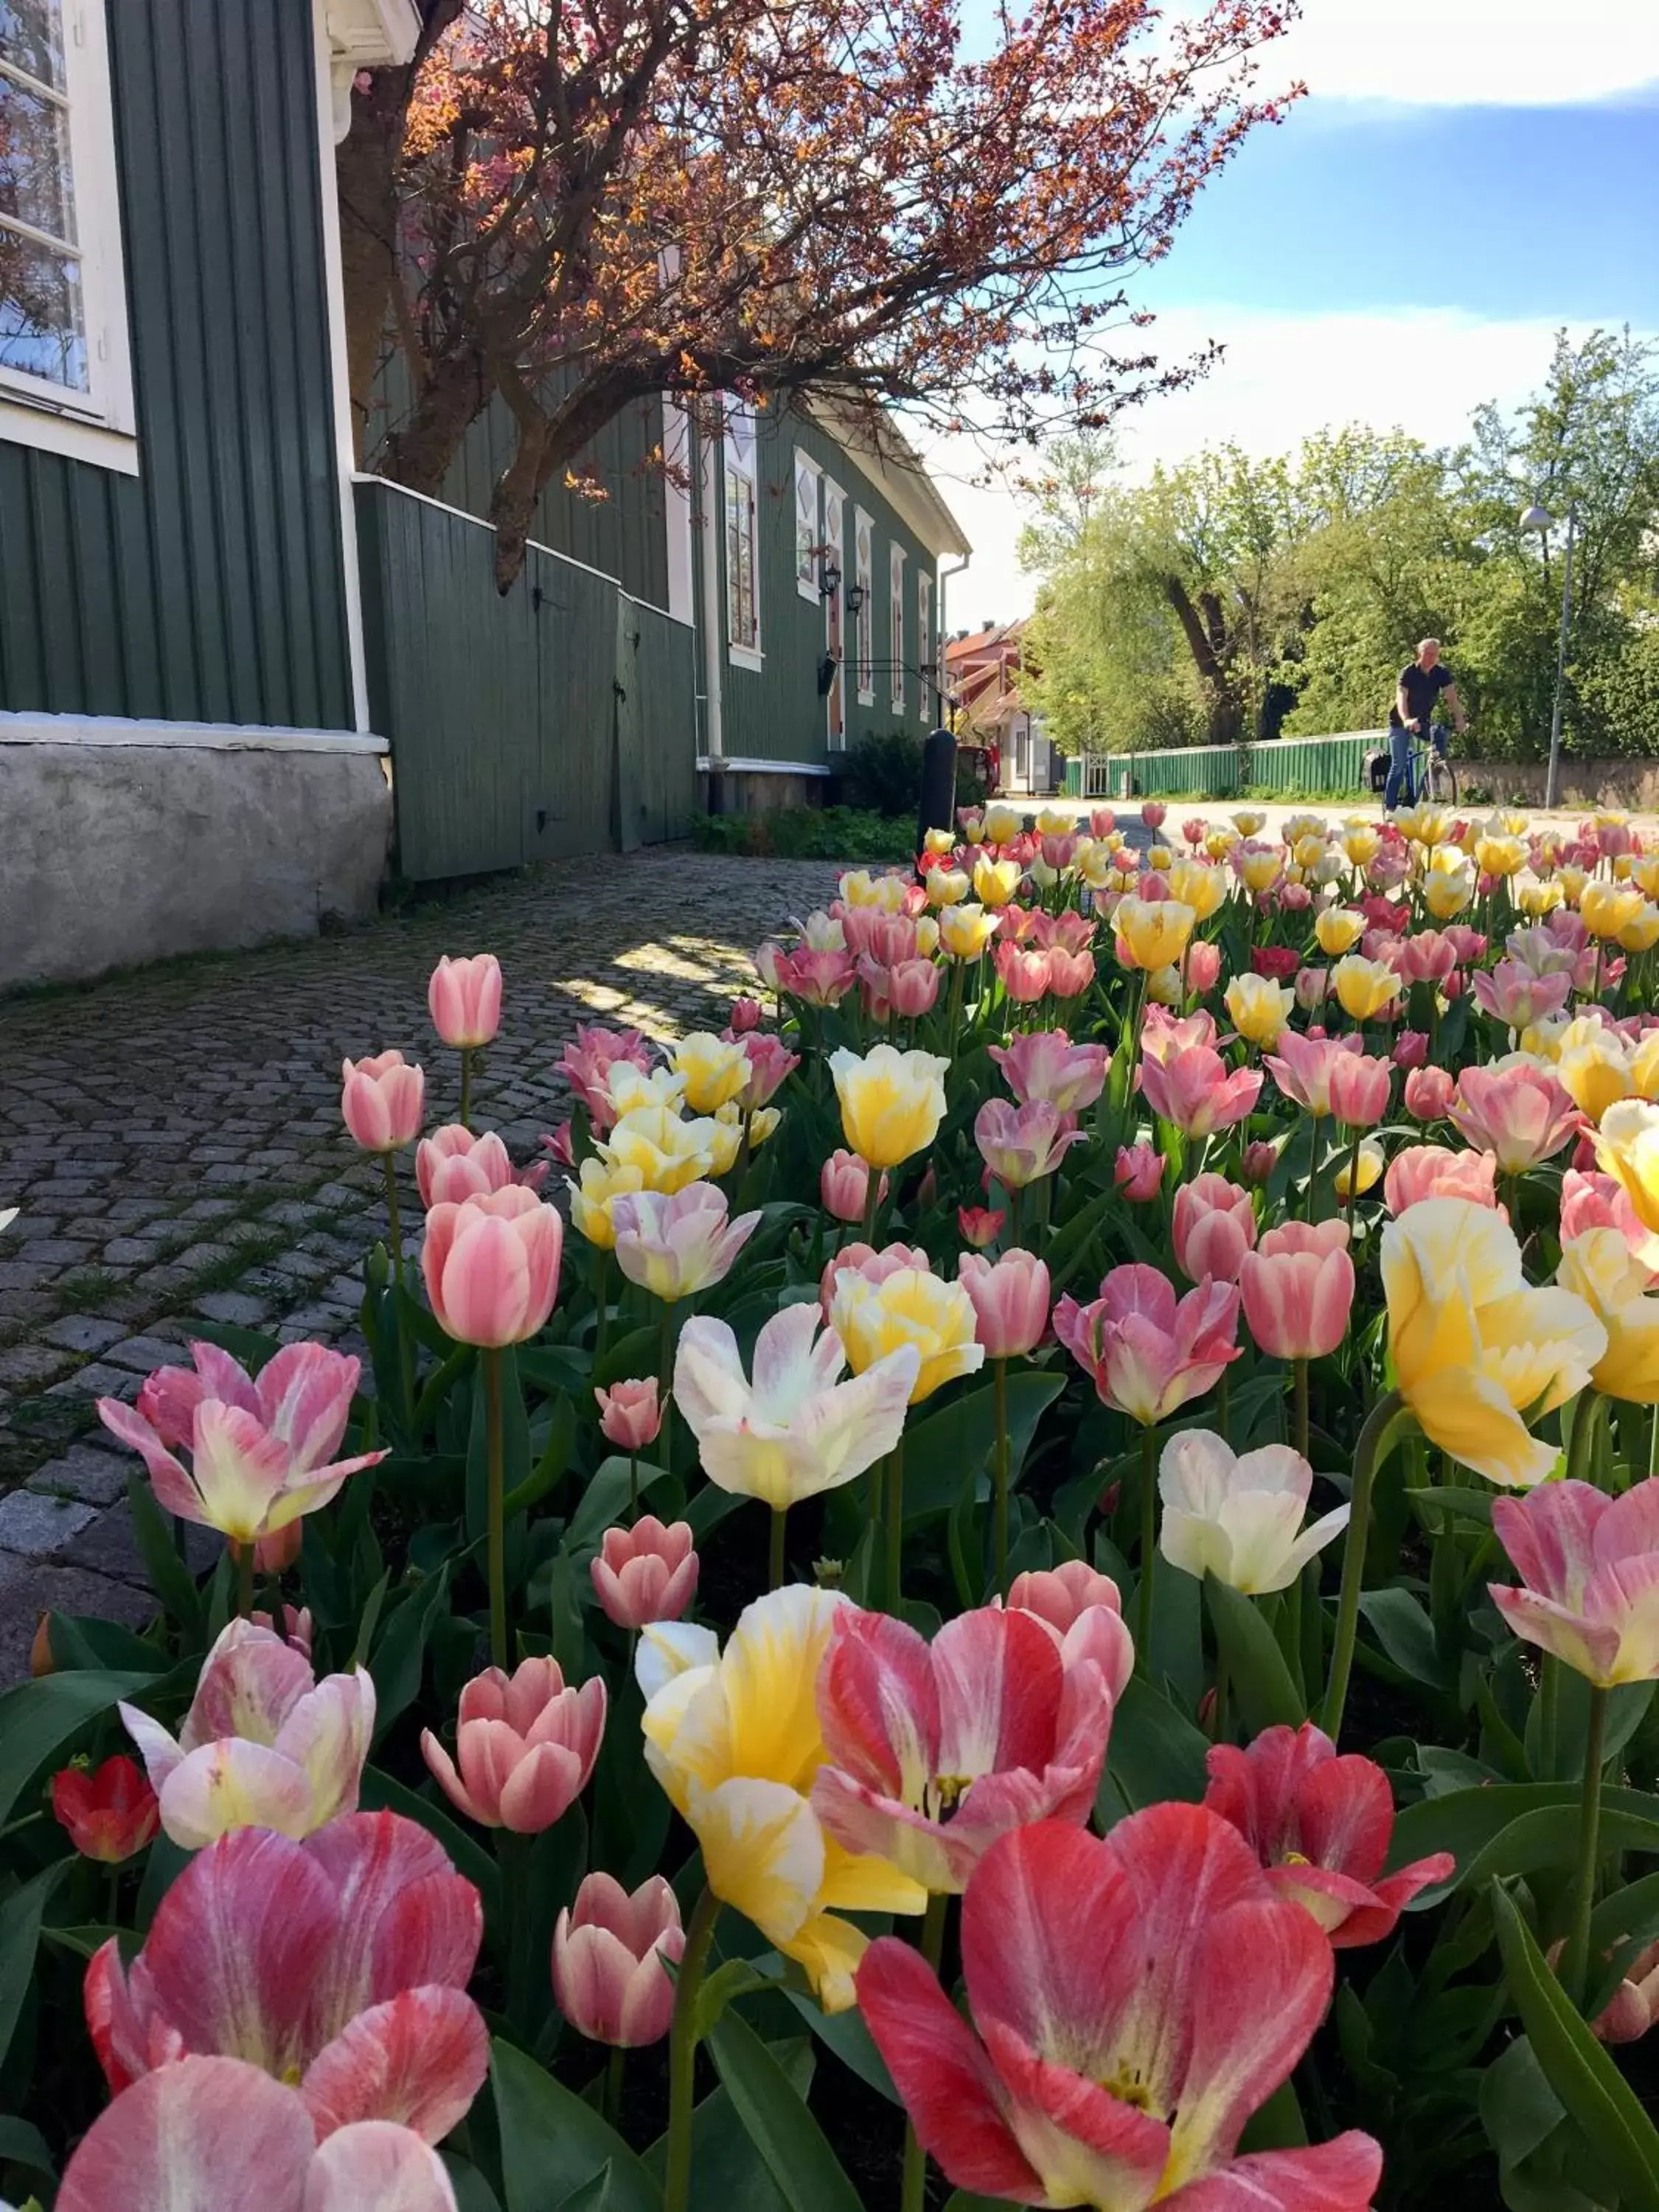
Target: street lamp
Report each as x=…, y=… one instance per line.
x=1541, y=519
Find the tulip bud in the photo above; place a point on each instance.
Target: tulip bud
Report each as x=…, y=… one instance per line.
x=746, y=1014
x=1203, y=968
x=646, y=1573
x=42, y=1661
x=608, y=1972
x=382, y=1102
x=1152, y=813
x=1411, y=1048
x=1139, y=1172
x=629, y=1415
x=979, y=1225
x=464, y=999
x=1010, y=1298
x=524, y=1746
x=109, y=1813
x=1311, y=986
x=1258, y=1164
x=844, y=1186
x=1429, y=1093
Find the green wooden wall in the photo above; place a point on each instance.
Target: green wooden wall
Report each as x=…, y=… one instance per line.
x=775, y=713
x=210, y=587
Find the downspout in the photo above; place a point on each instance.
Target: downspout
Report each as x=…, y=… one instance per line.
x=945, y=576
x=713, y=732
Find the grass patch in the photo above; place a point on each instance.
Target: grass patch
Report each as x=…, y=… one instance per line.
x=86, y=1292
x=245, y=1254
x=808, y=833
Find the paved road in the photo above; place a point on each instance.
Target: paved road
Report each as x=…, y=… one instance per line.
x=172, y=1138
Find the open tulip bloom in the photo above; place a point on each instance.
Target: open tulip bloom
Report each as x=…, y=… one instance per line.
x=1239, y=1517
x=1589, y=1567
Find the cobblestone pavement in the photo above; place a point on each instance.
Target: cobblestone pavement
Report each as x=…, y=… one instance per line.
x=172, y=1138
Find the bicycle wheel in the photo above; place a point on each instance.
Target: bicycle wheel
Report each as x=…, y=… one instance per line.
x=1440, y=781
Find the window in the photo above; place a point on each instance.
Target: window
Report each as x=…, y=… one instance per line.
x=863, y=574
x=65, y=381
x=809, y=541
x=895, y=624
x=742, y=551
x=927, y=690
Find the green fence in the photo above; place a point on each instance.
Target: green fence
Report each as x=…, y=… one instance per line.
x=1332, y=764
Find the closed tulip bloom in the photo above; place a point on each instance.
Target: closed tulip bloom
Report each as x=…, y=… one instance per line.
x=1364, y=987
x=1311, y=987
x=1022, y=1143
x=678, y=1246
x=1474, y=1346
x=452, y=1164
x=1515, y=1110
x=1070, y=974
x=1214, y=1227
x=797, y=1429
x=1608, y=909
x=1261, y=1010
x=713, y=1070
x=1320, y=1827
x=1134, y=2002
x=1203, y=968
x=109, y=1812
x=593, y=1197
x=1304, y=1068
x=892, y=1102
x=1446, y=891
x=526, y=1745
x=1588, y=1564
x=1139, y=1172
x=1361, y=1173
x=995, y=882
x=264, y=1745
x=1152, y=933
x=1598, y=1265
x=667, y=1151
x=629, y=1414
x=1429, y=1092
x=947, y=886
x=1239, y=1519
x=491, y=1266
x=646, y=1573
x=911, y=1306
x=1423, y=1171
x=965, y=930
x=1337, y=930
x=1146, y=1352
x=1045, y=1065
x=844, y=1186
x=1010, y=1300
x=609, y=1975
x=1083, y=1611
x=979, y=1225
x=1298, y=1290
x=1196, y=884
x=1359, y=1090
x=464, y=999
x=1025, y=972
x=382, y=1101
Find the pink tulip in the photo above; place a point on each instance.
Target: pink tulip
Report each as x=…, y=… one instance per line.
x=1152, y=813
x=1024, y=976
x=561, y=1145
x=1513, y=994
x=770, y=1064
x=1010, y=1300
x=295, y=1625
x=1592, y=1201
x=1299, y=1290
x=1427, y=957
x=646, y=1573
x=1429, y=1093
x=629, y=1416
x=451, y=1164
x=339, y=1964
x=1139, y=1172
x=465, y=999
x=261, y=1453
x=933, y=1751
x=1294, y=898
x=608, y=1972
x=875, y=1266
x=1320, y=1826
x=1468, y=946
x=1359, y=1090
x=1214, y=1227
x=1311, y=986
x=382, y=1101
x=1430, y=1172
x=1022, y=1143
x=1044, y=1065
x=747, y=1014
x=1303, y=1067
x=979, y=1225
x=1411, y=1049
x=491, y=1266
x=526, y=1745
x=1193, y=1091
x=844, y=1186
x=678, y=1246
x=1146, y=1352
x=1163, y=1034
x=817, y=979
x=586, y=1065
x=1203, y=968
x=1070, y=974
x=1061, y=1595
x=1102, y=822
x=1069, y=931
x=1588, y=1564
x=1519, y=1113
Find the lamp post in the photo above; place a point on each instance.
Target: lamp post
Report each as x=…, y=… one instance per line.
x=1541, y=519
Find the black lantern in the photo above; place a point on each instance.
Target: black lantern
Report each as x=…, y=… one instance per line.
x=855, y=595
x=828, y=580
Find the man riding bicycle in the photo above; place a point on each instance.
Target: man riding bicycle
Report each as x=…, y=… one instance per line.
x=1422, y=683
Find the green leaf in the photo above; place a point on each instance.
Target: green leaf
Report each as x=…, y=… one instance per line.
x=554, y=2144
x=1277, y=2124
x=37, y=1718
x=797, y=2154
x=1464, y=1822
x=169, y=1577
x=738, y=1978
x=1518, y=2109
x=845, y=2035
x=1578, y=2070
x=1155, y=1754
x=605, y=1499
x=550, y=1466
x=398, y=1662
x=19, y=1939
x=1407, y=1634
x=22, y=2144
x=1255, y=1665
x=1549, y=1838
x=940, y=1451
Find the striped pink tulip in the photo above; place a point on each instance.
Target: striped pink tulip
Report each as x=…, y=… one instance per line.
x=491, y=1266
x=1299, y=1290
x=464, y=999
x=608, y=1954
x=382, y=1101
x=526, y=1745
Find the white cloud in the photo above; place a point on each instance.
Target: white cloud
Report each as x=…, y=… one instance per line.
x=1282, y=378
x=1522, y=53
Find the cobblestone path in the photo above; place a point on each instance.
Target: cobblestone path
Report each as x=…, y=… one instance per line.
x=172, y=1138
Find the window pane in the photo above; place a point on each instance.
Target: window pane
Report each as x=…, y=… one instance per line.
x=34, y=161
x=32, y=38
x=42, y=319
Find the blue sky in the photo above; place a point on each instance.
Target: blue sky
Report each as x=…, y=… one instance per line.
x=1464, y=177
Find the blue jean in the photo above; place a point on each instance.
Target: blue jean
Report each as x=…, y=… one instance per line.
x=1400, y=742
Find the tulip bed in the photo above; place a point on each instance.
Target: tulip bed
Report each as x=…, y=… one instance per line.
x=1050, y=1594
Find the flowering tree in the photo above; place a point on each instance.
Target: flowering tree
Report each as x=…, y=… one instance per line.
x=576, y=206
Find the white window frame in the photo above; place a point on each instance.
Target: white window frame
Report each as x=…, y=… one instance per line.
x=809, y=527
x=863, y=571
x=740, y=509
x=834, y=616
x=101, y=425
x=924, y=636
x=896, y=557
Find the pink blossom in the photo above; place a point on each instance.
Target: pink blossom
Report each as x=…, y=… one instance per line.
x=1010, y=1300
x=586, y=1065
x=1139, y=1172
x=1214, y=1227
x=1518, y=1111
x=608, y=1961
x=1148, y=1352
x=1411, y=1049
x=464, y=999
x=382, y=1102
x=1359, y=1090
x=1203, y=966
x=526, y=1745
x=844, y=1186
x=1045, y=1065
x=770, y=1064
x=1514, y=996
x=979, y=1225
x=1423, y=1171
x=1024, y=976
x=1427, y=957
x=646, y=1573
x=1022, y=1143
x=747, y=1015
x=874, y=1266
x=1304, y=1068
x=1429, y=1093
x=629, y=1415
x=1298, y=1290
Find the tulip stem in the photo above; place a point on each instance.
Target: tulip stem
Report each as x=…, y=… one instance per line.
x=244, y=1579
x=872, y=1201
x=1299, y=1372
x=1148, y=1544
x=633, y=1486
x=1312, y=1209
x=495, y=1505
x=683, y=2052
x=912, y=2195
x=610, y=2103
x=1575, y=1960
x=774, y=1557
x=1581, y=1448
x=1354, y=1179
x=601, y=1305
x=394, y=1223
x=666, y=1378
x=1549, y=1710
x=467, y=1087
x=1367, y=1453
x=895, y=1526
x=1000, y=1384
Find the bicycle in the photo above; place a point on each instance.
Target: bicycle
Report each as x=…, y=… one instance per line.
x=1429, y=771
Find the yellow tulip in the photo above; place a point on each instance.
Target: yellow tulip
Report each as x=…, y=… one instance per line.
x=1055, y=821
x=1610, y=817
x=965, y=930
x=1307, y=850
x=1572, y=882
x=1370, y=1164
x=629, y=1087
x=1624, y=865
x=939, y=841
x=1123, y=879
x=1338, y=929
x=591, y=1197
x=1154, y=933
x=911, y=1306
x=1642, y=930
x=1364, y=987
x=1595, y=1065
x=713, y=1070
x=668, y=1152
x=1360, y=845
x=761, y=1123
x=1599, y=1268
x=1248, y=820
x=1260, y=871
x=927, y=936
x=1446, y=891
x=892, y=1102
x=1539, y=899
x=1002, y=825
x=1044, y=877
x=1303, y=826
x=1161, y=858
x=1094, y=864
x=1426, y=825
x=860, y=888
x=1609, y=907
x=1197, y=884
x=1219, y=843
x=1645, y=874
x=1259, y=1008
x=1500, y=856
x=1627, y=1148
x=1163, y=987
x=733, y=1738
x=995, y=882
x=946, y=886
x=1474, y=1346
x=1542, y=1040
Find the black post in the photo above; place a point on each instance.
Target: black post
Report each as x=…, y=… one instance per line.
x=938, y=809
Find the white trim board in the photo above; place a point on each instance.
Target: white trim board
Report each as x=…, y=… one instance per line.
x=345, y=452
x=726, y=765
x=202, y=736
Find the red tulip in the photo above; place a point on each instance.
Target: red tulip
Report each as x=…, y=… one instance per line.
x=608, y=1955
x=109, y=1813
x=629, y=1415
x=526, y=1745
x=1213, y=1227
x=1280, y=962
x=464, y=999
x=979, y=1225
x=1299, y=1290
x=340, y=1964
x=1135, y=2002
x=1146, y=1353
x=381, y=1101
x=646, y=1573
x=1320, y=1826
